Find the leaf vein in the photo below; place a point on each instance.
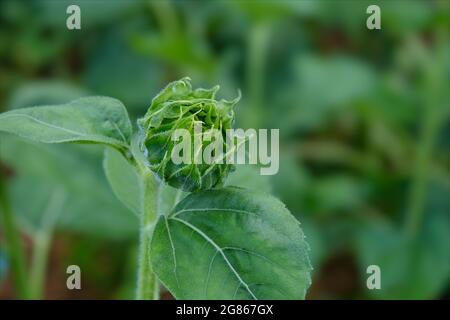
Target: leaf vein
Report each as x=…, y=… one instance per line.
x=201, y=233
x=213, y=209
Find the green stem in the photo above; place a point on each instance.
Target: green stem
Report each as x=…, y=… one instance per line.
x=14, y=246
x=420, y=179
x=433, y=119
x=41, y=243
x=147, y=283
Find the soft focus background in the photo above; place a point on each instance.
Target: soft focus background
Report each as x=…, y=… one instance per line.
x=364, y=119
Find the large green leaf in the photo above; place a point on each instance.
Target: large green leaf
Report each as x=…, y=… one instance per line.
x=231, y=243
x=90, y=119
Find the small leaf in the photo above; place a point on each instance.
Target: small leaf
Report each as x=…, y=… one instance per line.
x=91, y=119
x=123, y=179
x=231, y=243
x=168, y=198
x=133, y=190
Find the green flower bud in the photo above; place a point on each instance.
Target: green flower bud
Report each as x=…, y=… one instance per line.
x=178, y=106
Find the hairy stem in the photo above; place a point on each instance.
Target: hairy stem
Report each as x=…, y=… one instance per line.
x=14, y=246
x=147, y=283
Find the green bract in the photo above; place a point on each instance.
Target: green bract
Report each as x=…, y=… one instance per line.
x=178, y=106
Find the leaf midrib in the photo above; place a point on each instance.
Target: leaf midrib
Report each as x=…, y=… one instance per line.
x=218, y=249
x=77, y=133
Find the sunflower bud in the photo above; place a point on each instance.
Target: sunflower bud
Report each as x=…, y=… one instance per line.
x=198, y=113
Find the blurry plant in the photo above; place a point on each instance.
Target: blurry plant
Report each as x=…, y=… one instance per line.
x=13, y=245
x=243, y=235
x=176, y=44
x=415, y=259
x=35, y=93
x=3, y=265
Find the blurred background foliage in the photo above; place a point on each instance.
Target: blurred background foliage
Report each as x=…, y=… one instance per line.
x=363, y=118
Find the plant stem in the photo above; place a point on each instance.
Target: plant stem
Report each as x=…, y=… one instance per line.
x=147, y=283
x=433, y=119
x=41, y=240
x=420, y=179
x=13, y=244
